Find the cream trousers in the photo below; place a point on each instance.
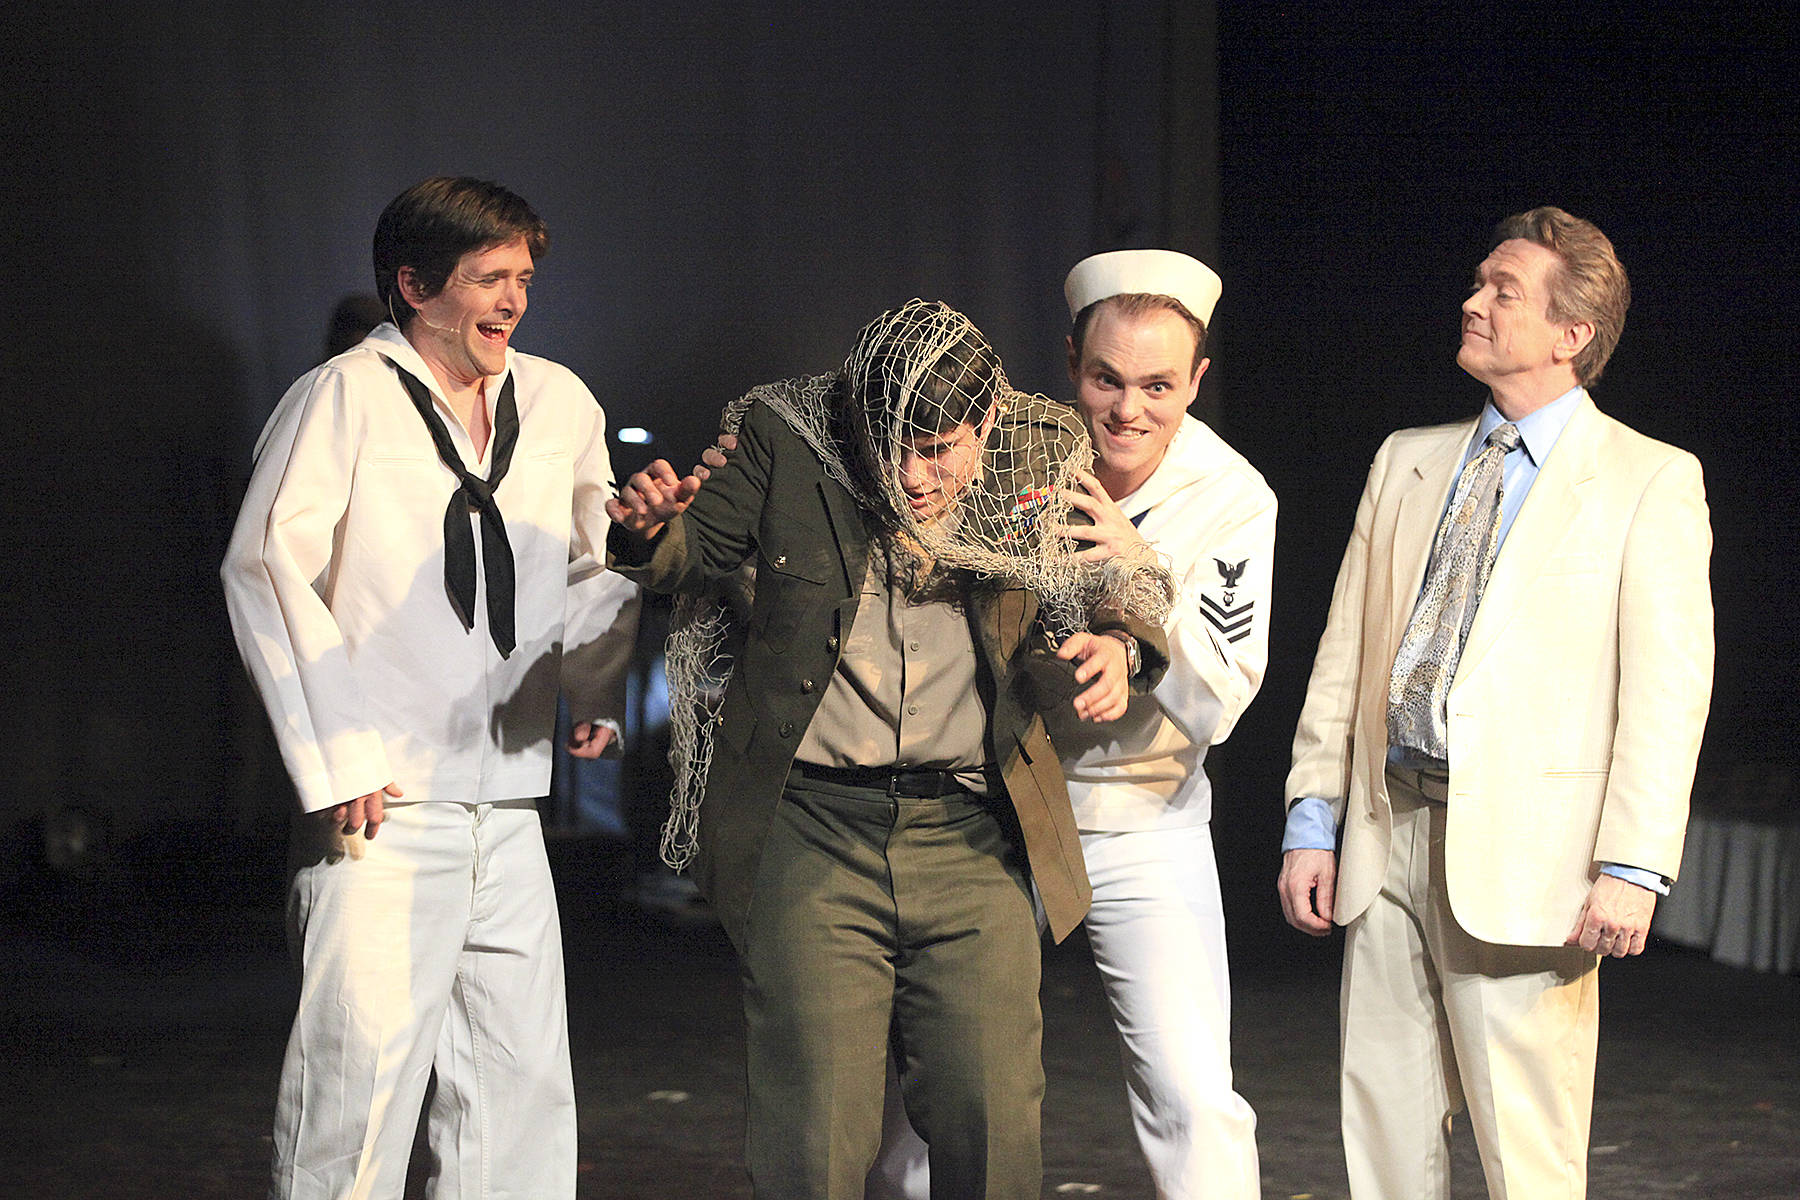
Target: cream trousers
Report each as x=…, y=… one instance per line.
x=1434, y=1021
x=433, y=947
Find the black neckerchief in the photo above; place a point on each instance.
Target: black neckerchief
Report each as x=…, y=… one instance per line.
x=475, y=494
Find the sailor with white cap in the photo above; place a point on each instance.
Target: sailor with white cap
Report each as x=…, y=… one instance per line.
x=1142, y=799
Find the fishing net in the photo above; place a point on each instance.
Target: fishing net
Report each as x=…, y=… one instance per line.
x=954, y=471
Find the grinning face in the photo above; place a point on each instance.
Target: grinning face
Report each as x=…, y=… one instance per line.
x=935, y=468
x=462, y=332
x=1133, y=384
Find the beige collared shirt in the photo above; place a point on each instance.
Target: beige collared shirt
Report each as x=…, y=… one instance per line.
x=904, y=693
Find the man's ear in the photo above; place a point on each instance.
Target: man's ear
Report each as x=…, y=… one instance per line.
x=1194, y=383
x=1573, y=340
x=1074, y=365
x=411, y=289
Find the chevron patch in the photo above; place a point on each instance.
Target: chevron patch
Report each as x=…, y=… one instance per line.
x=1232, y=621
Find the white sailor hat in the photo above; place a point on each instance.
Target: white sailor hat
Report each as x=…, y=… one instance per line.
x=1159, y=272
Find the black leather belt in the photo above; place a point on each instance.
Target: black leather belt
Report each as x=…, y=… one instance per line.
x=1432, y=786
x=916, y=783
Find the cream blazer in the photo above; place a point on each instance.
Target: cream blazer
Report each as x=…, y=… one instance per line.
x=1576, y=712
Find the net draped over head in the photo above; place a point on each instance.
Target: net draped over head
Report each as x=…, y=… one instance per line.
x=918, y=373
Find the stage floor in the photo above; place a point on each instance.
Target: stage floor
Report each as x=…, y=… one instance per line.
x=143, y=1039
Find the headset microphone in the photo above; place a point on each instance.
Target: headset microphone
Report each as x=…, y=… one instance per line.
x=421, y=316
x=435, y=325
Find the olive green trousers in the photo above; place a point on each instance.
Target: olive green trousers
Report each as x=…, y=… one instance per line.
x=875, y=921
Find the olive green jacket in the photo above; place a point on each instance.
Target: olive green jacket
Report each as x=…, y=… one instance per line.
x=775, y=502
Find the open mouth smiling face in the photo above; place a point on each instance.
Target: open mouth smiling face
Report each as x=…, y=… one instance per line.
x=1133, y=385
x=468, y=326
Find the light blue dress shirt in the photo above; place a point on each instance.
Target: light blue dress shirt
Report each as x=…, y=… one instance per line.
x=1310, y=823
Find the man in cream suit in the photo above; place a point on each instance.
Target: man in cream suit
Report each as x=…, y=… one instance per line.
x=1501, y=725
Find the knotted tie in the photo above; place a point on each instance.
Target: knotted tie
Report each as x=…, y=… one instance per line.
x=1461, y=558
x=475, y=494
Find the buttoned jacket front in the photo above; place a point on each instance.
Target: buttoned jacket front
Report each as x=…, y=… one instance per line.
x=775, y=504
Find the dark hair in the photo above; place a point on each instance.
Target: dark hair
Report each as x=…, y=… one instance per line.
x=1589, y=283
x=1137, y=304
x=924, y=360
x=432, y=224
x=960, y=387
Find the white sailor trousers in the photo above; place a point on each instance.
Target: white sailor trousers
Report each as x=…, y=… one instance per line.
x=434, y=946
x=1157, y=931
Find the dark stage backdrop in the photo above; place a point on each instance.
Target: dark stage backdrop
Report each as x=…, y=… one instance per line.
x=732, y=191
x=734, y=188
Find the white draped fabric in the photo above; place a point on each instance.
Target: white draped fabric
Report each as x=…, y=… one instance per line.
x=1738, y=897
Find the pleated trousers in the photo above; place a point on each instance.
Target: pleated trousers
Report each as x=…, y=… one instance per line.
x=883, y=922
x=1435, y=1021
x=433, y=947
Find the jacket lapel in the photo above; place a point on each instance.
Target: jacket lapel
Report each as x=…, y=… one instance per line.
x=851, y=536
x=1002, y=618
x=1549, y=513
x=1427, y=482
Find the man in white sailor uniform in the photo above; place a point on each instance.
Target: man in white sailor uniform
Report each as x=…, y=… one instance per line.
x=417, y=566
x=1142, y=798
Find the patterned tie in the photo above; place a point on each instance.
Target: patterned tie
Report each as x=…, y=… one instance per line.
x=1461, y=558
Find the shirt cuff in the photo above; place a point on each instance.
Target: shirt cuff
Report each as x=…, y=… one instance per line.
x=1310, y=826
x=616, y=747
x=1645, y=879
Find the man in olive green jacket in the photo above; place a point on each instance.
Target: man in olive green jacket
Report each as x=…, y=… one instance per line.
x=879, y=887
